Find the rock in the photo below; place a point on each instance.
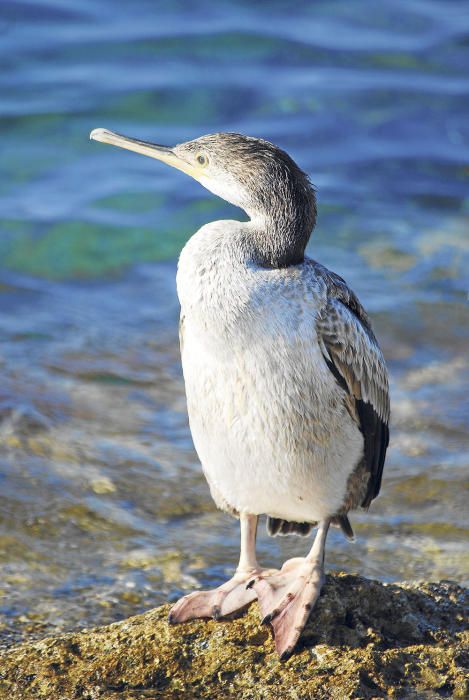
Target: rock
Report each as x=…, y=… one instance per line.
x=365, y=640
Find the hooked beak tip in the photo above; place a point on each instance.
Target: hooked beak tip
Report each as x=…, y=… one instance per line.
x=98, y=134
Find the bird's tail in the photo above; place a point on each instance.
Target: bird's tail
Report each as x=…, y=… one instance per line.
x=277, y=526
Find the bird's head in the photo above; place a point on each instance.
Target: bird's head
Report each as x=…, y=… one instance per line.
x=248, y=172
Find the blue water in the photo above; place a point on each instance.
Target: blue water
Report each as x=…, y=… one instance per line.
x=103, y=509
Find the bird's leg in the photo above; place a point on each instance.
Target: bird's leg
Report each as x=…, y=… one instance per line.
x=232, y=595
x=287, y=597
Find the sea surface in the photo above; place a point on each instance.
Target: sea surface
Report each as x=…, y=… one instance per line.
x=104, y=510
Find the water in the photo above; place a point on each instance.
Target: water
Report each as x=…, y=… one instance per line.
x=103, y=508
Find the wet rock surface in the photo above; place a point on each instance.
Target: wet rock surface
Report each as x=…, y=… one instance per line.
x=365, y=640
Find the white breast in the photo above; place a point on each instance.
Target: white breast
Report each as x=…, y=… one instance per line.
x=266, y=415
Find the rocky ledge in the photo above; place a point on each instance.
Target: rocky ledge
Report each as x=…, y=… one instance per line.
x=365, y=640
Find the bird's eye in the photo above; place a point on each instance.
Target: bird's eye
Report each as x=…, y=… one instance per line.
x=202, y=160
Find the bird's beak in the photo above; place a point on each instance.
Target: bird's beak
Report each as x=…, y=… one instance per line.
x=153, y=150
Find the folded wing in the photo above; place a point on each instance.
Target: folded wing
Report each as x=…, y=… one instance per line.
x=353, y=355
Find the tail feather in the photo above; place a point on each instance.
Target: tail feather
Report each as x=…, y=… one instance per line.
x=343, y=522
x=277, y=526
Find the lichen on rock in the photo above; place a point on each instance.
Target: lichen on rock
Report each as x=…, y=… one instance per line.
x=365, y=640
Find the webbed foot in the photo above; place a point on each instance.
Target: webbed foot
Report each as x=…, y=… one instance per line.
x=232, y=596
x=286, y=599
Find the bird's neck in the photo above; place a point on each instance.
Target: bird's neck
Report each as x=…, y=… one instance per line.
x=280, y=232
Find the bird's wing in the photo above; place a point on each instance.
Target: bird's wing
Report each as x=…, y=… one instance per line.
x=354, y=357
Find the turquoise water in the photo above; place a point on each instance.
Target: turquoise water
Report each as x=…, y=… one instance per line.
x=103, y=508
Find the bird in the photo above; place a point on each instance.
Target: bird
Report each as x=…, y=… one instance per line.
x=287, y=388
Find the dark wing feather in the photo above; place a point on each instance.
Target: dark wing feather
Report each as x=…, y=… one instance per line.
x=353, y=355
